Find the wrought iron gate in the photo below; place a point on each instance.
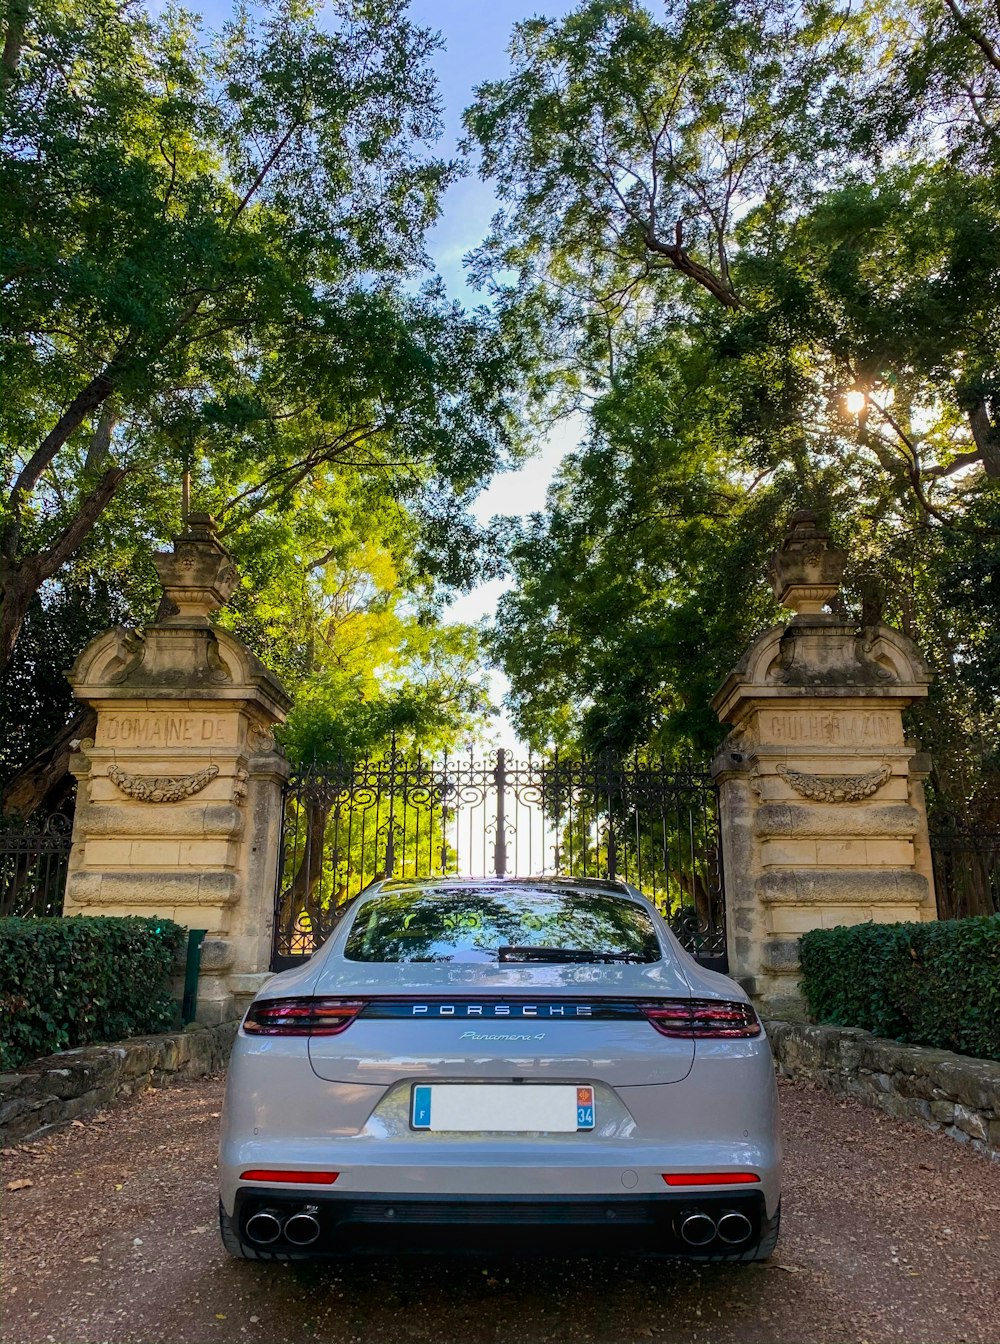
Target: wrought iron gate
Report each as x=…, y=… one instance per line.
x=636, y=820
x=34, y=860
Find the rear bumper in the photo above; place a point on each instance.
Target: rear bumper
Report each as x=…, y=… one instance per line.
x=351, y=1222
x=279, y=1115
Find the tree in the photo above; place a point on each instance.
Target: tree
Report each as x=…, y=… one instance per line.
x=632, y=597
x=211, y=259
x=809, y=187
x=370, y=673
x=835, y=177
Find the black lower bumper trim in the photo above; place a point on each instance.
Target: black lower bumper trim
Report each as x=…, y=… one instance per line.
x=351, y=1221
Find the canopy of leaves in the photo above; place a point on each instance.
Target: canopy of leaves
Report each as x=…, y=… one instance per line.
x=213, y=260
x=717, y=219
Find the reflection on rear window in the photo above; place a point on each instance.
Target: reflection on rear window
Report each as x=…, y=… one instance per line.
x=474, y=925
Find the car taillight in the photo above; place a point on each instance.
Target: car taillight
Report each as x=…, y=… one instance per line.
x=301, y=1017
x=282, y=1176
x=702, y=1018
x=688, y=1178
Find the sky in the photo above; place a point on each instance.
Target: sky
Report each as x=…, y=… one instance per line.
x=475, y=34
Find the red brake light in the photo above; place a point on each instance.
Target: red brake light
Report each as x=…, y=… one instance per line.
x=710, y=1178
x=290, y=1177
x=301, y=1017
x=702, y=1018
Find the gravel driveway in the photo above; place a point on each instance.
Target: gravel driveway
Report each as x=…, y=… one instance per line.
x=890, y=1233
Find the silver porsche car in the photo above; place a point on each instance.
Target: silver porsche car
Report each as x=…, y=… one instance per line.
x=482, y=1062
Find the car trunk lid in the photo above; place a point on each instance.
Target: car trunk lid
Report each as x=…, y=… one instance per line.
x=535, y=1022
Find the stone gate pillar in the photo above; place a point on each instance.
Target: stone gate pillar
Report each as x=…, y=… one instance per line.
x=821, y=796
x=179, y=799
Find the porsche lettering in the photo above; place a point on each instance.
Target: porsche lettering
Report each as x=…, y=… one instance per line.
x=498, y=1010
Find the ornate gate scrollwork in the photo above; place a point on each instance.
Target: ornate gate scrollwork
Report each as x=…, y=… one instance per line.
x=638, y=821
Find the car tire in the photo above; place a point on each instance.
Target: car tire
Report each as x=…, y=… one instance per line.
x=768, y=1238
x=231, y=1238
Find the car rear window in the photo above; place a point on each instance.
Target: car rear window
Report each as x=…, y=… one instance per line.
x=473, y=925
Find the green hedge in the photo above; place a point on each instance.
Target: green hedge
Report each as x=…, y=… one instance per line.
x=70, y=982
x=930, y=984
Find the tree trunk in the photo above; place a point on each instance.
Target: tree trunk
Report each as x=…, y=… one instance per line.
x=43, y=783
x=17, y=18
x=987, y=437
x=20, y=581
x=19, y=585
x=300, y=897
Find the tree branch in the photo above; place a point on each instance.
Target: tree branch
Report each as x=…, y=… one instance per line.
x=956, y=464
x=86, y=401
x=86, y=516
x=682, y=261
x=975, y=34
x=265, y=168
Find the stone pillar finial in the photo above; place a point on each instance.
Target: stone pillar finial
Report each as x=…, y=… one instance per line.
x=806, y=573
x=198, y=575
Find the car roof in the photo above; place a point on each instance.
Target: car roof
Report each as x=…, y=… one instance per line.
x=610, y=886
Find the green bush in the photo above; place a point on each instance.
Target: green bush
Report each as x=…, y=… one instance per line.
x=70, y=982
x=930, y=984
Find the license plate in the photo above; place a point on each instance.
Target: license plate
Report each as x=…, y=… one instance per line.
x=501, y=1108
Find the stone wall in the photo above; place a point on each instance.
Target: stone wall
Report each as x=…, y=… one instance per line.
x=936, y=1088
x=63, y=1087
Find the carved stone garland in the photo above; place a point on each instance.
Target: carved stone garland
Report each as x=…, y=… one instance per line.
x=161, y=788
x=836, y=788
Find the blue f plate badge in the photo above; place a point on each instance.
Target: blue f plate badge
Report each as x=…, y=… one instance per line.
x=502, y=1108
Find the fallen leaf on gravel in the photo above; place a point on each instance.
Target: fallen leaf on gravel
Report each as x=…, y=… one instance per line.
x=220, y=1315
x=789, y=1269
x=77, y=1124
x=89, y=1260
x=9, y=1152
x=120, y=1186
x=20, y=1185
x=195, y=1231
x=100, y=1119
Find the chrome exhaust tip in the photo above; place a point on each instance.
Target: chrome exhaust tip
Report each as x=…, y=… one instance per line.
x=697, y=1229
x=264, y=1227
x=734, y=1228
x=303, y=1228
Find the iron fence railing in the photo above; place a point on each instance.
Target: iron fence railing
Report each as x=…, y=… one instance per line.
x=637, y=820
x=34, y=860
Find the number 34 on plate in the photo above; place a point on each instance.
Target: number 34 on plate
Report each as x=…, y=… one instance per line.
x=585, y=1108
